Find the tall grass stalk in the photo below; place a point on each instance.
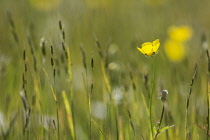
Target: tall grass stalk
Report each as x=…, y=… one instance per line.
x=69, y=115
x=145, y=104
x=188, y=101
x=86, y=84
x=208, y=92
x=71, y=88
x=51, y=86
x=94, y=122
x=68, y=103
x=55, y=99
x=89, y=99
x=112, y=106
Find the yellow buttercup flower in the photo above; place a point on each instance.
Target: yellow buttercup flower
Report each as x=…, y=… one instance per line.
x=150, y=48
x=180, y=33
x=174, y=50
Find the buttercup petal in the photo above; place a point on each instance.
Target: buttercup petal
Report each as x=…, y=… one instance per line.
x=156, y=42
x=147, y=49
x=146, y=43
x=156, y=45
x=141, y=50
x=151, y=53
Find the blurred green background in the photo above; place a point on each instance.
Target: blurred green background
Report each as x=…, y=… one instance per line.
x=119, y=26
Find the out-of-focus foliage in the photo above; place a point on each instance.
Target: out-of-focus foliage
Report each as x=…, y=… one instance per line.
x=175, y=46
x=45, y=5
x=175, y=51
x=180, y=34
x=110, y=83
x=99, y=3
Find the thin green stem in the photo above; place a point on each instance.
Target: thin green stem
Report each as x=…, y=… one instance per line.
x=159, y=125
x=151, y=96
x=161, y=118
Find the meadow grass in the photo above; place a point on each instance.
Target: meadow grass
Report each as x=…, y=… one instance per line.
x=73, y=71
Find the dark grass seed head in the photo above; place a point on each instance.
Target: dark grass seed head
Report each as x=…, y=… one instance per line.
x=208, y=57
x=83, y=56
x=63, y=46
x=26, y=67
x=52, y=62
x=54, y=123
x=23, y=81
x=11, y=22
x=60, y=25
x=51, y=49
x=63, y=34
x=42, y=44
x=92, y=62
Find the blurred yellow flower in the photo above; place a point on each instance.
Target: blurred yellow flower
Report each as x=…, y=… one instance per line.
x=45, y=5
x=180, y=33
x=155, y=2
x=98, y=3
x=149, y=48
x=174, y=50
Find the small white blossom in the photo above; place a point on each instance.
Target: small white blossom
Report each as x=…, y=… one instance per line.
x=164, y=95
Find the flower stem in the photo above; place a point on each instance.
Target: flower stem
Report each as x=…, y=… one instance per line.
x=159, y=125
x=151, y=96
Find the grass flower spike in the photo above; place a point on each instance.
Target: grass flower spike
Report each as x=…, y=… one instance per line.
x=150, y=48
